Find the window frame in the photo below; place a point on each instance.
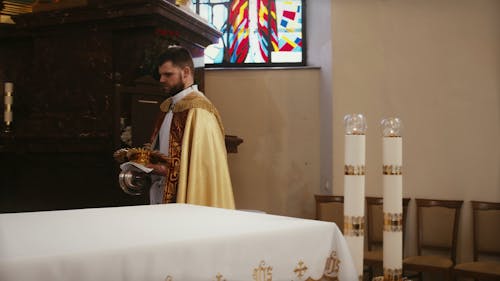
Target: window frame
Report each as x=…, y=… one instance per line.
x=265, y=64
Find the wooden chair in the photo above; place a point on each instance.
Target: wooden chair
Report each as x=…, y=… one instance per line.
x=486, y=233
x=330, y=208
x=437, y=226
x=373, y=257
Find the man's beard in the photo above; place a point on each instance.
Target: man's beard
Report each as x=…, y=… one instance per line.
x=172, y=91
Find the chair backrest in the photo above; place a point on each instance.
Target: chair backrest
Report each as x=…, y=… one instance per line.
x=486, y=228
x=330, y=208
x=375, y=220
x=437, y=225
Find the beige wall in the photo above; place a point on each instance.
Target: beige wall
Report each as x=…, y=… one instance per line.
x=436, y=65
x=276, y=113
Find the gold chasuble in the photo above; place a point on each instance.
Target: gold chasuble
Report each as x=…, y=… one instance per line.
x=197, y=172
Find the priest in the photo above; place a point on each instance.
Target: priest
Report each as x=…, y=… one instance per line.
x=189, y=131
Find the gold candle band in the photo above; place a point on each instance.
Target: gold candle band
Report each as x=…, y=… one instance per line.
x=392, y=170
x=393, y=222
x=356, y=133
x=393, y=274
x=7, y=117
x=354, y=170
x=354, y=226
x=8, y=99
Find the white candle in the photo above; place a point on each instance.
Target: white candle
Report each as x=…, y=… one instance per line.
x=392, y=159
x=354, y=187
x=9, y=87
x=8, y=101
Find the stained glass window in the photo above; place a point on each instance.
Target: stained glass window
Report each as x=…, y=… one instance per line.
x=255, y=32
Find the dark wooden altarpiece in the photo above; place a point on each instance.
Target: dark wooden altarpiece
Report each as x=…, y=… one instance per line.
x=80, y=75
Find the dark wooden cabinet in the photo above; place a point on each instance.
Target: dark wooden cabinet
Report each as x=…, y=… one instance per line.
x=66, y=66
x=138, y=107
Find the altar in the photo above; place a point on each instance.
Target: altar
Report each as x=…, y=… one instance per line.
x=170, y=242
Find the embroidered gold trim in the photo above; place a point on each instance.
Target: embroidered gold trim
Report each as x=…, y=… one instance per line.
x=354, y=226
x=263, y=272
x=300, y=269
x=220, y=277
x=190, y=101
x=356, y=133
x=393, y=274
x=332, y=266
x=392, y=170
x=174, y=150
x=354, y=170
x=393, y=222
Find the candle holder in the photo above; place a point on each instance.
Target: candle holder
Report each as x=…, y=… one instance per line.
x=8, y=102
x=392, y=159
x=391, y=127
x=355, y=124
x=354, y=187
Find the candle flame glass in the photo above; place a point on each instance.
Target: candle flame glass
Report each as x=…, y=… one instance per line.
x=391, y=127
x=355, y=124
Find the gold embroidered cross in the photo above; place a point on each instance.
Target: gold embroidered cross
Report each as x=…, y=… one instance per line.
x=300, y=269
x=220, y=277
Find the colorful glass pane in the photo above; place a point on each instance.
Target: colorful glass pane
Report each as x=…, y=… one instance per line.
x=254, y=31
x=238, y=31
x=289, y=31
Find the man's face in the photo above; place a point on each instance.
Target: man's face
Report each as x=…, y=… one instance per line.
x=171, y=77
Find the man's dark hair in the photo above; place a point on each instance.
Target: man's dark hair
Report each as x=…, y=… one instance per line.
x=179, y=56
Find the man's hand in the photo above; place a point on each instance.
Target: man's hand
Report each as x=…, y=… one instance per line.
x=158, y=169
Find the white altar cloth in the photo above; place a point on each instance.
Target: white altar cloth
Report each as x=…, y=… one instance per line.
x=170, y=242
